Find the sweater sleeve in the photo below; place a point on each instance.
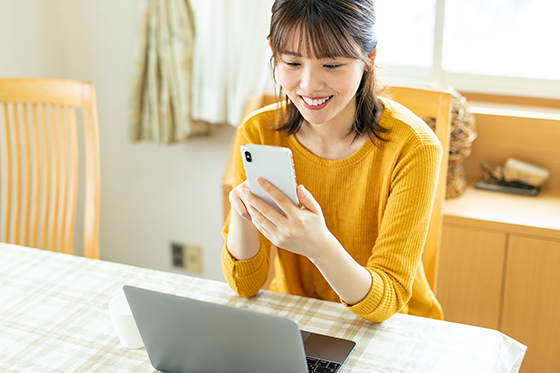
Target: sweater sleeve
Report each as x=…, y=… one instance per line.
x=245, y=277
x=397, y=252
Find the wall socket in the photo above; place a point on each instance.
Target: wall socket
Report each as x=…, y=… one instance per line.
x=187, y=256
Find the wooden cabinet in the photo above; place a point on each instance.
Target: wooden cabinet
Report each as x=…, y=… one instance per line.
x=470, y=275
x=500, y=274
x=506, y=282
x=531, y=305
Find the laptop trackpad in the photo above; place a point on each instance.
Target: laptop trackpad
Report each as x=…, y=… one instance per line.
x=327, y=348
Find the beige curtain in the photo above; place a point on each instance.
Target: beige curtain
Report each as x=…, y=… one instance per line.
x=160, y=108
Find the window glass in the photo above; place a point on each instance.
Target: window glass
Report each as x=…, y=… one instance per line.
x=515, y=38
x=405, y=30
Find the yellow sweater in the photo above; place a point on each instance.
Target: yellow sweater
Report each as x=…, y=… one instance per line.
x=376, y=202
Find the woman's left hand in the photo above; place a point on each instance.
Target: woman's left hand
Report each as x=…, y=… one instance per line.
x=302, y=230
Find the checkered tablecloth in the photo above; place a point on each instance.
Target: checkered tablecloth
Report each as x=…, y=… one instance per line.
x=54, y=318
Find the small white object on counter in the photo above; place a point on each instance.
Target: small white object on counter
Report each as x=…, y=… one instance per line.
x=527, y=173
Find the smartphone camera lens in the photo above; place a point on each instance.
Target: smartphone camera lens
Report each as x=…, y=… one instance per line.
x=248, y=157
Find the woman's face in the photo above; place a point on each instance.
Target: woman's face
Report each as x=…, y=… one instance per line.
x=323, y=90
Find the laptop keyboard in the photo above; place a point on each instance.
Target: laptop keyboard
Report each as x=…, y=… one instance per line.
x=321, y=366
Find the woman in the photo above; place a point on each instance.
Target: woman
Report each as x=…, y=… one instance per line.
x=367, y=169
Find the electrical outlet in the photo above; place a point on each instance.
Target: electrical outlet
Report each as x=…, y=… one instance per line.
x=192, y=258
x=177, y=255
x=187, y=256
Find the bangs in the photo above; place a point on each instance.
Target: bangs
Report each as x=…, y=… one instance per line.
x=317, y=36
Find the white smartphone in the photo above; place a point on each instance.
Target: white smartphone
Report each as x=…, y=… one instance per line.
x=274, y=164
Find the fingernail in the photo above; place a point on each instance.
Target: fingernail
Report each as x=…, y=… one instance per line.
x=303, y=191
x=260, y=181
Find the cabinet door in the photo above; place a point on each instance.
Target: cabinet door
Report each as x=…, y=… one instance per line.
x=531, y=312
x=470, y=275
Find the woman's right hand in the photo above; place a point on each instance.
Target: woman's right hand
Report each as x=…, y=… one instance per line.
x=236, y=200
x=243, y=240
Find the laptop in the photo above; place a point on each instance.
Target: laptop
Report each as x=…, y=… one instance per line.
x=183, y=335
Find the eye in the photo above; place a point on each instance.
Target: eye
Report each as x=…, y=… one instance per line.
x=292, y=64
x=331, y=67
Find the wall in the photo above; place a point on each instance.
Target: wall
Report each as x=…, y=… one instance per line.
x=150, y=195
x=527, y=134
x=30, y=39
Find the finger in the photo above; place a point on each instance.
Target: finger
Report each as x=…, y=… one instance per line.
x=261, y=222
x=277, y=196
x=270, y=212
x=238, y=205
x=307, y=200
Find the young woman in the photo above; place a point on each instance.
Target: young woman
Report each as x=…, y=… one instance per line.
x=367, y=169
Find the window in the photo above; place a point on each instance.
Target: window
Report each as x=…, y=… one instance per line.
x=489, y=46
x=400, y=46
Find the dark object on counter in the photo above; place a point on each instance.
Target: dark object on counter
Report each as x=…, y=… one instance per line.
x=494, y=180
x=513, y=187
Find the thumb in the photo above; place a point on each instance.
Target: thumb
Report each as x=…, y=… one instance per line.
x=307, y=200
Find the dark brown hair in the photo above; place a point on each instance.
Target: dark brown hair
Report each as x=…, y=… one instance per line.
x=329, y=29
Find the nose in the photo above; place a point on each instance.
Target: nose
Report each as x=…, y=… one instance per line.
x=311, y=80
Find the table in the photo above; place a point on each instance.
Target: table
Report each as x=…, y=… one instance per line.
x=54, y=318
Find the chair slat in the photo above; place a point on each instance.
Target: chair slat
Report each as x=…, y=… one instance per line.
x=46, y=181
x=55, y=180
x=91, y=217
x=16, y=203
x=73, y=179
x=7, y=175
x=36, y=177
x=26, y=202
x=63, y=190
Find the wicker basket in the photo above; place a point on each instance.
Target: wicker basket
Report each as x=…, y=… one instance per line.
x=463, y=133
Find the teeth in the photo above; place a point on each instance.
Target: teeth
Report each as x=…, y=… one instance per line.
x=311, y=102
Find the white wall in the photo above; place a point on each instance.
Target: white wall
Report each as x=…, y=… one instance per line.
x=150, y=194
x=30, y=39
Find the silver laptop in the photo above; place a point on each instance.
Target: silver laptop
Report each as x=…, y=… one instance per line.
x=186, y=335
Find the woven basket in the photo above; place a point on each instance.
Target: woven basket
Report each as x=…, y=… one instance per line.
x=463, y=133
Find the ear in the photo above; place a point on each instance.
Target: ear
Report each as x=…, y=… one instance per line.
x=371, y=55
x=272, y=50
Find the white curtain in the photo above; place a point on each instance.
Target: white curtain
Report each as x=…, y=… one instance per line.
x=231, y=57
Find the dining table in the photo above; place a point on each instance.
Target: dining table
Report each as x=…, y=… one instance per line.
x=54, y=317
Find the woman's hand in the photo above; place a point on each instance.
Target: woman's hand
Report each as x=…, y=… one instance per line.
x=236, y=200
x=301, y=230
x=243, y=240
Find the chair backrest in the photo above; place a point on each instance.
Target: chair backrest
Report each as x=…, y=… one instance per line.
x=423, y=101
x=40, y=160
x=433, y=103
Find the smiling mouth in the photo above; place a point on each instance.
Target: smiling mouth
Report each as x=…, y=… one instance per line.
x=314, y=102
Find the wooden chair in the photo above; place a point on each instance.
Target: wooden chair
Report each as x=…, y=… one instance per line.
x=40, y=161
x=422, y=101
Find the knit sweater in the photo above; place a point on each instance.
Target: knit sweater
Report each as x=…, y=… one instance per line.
x=377, y=202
